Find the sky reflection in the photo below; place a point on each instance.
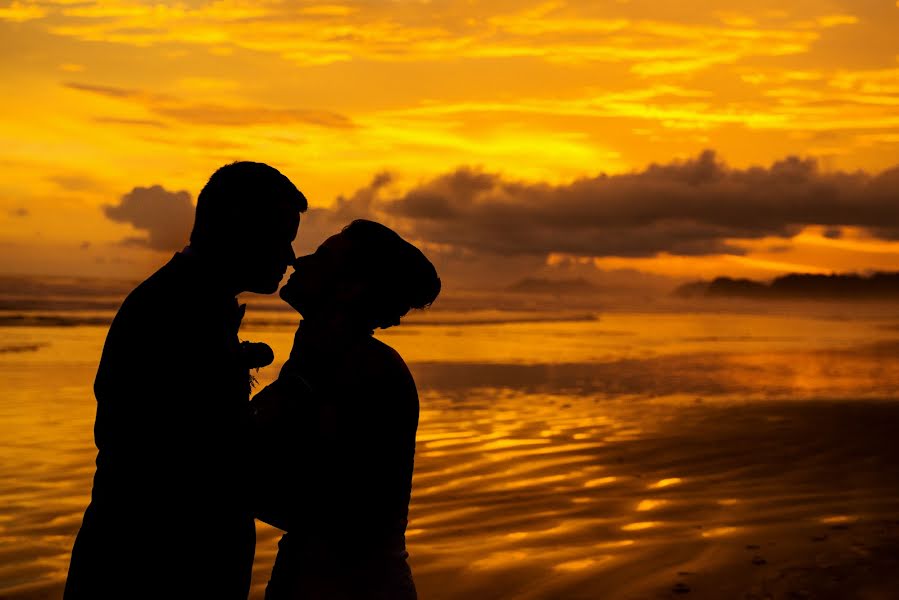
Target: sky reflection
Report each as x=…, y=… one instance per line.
x=531, y=479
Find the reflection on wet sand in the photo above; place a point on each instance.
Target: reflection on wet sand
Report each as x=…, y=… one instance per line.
x=733, y=495
x=717, y=469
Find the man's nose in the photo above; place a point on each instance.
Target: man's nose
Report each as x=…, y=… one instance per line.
x=290, y=256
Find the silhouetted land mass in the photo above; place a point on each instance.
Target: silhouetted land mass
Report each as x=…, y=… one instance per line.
x=537, y=285
x=47, y=285
x=877, y=286
x=24, y=320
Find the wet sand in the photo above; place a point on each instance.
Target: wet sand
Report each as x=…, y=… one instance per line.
x=542, y=497
x=651, y=500
x=683, y=473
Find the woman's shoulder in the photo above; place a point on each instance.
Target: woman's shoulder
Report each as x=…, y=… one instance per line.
x=379, y=362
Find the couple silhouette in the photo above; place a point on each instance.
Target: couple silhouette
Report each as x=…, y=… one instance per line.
x=186, y=461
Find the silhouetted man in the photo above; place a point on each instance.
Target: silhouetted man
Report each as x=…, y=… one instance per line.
x=169, y=515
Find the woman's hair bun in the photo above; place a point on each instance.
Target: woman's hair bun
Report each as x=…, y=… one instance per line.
x=399, y=276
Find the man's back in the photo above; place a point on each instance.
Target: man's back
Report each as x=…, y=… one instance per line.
x=168, y=515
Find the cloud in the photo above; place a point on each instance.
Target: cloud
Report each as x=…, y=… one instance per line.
x=560, y=32
x=19, y=12
x=317, y=224
x=213, y=114
x=109, y=91
x=166, y=217
x=205, y=113
x=475, y=219
x=134, y=122
x=76, y=181
x=695, y=207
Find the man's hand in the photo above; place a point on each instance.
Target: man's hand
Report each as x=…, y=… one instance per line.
x=256, y=355
x=270, y=408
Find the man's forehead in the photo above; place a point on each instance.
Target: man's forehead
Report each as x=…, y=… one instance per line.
x=277, y=223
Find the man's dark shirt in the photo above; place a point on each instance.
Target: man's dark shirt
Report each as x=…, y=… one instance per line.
x=169, y=515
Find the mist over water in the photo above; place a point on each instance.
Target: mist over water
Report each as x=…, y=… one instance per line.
x=617, y=454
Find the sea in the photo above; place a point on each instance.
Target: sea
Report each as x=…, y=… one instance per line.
x=627, y=449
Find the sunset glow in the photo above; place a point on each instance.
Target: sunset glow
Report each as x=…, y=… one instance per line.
x=108, y=96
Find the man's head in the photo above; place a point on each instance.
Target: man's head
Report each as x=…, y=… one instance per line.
x=247, y=217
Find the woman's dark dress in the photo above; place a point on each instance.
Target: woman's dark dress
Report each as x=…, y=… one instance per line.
x=335, y=450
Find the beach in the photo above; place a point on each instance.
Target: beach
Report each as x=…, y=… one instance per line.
x=781, y=500
x=637, y=455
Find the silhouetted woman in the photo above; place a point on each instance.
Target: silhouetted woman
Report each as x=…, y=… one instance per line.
x=336, y=430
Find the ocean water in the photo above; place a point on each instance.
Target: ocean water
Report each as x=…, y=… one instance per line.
x=612, y=455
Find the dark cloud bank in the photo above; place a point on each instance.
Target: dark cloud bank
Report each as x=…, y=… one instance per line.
x=877, y=286
x=686, y=208
x=694, y=207
x=166, y=217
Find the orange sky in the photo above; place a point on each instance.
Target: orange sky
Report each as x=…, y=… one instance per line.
x=102, y=97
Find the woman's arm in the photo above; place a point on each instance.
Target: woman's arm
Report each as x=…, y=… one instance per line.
x=282, y=413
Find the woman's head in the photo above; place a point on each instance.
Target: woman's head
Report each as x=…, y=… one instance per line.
x=367, y=273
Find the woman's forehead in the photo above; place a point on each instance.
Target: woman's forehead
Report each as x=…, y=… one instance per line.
x=336, y=243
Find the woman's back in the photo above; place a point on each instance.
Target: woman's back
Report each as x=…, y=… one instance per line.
x=348, y=466
x=336, y=461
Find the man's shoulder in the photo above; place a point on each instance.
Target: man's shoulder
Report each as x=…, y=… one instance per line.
x=166, y=289
x=160, y=303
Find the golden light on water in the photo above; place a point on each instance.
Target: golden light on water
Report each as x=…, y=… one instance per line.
x=615, y=544
x=542, y=484
x=668, y=481
x=838, y=519
x=720, y=531
x=645, y=505
x=578, y=565
x=598, y=482
x=641, y=525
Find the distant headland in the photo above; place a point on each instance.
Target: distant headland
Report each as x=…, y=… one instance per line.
x=848, y=286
